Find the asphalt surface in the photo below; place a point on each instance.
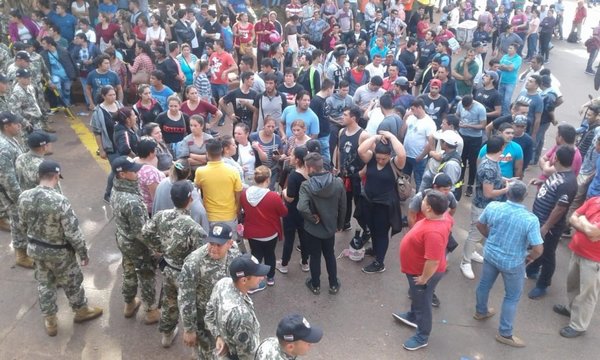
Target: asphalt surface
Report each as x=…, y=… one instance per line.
x=357, y=322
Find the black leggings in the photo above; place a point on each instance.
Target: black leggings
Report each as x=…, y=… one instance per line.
x=264, y=250
x=316, y=247
x=293, y=223
x=469, y=155
x=379, y=224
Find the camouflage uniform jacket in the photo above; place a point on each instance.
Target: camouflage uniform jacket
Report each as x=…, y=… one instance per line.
x=4, y=56
x=10, y=149
x=198, y=276
x=47, y=216
x=24, y=102
x=130, y=215
x=174, y=234
x=230, y=315
x=270, y=349
x=27, y=169
x=38, y=69
x=4, y=103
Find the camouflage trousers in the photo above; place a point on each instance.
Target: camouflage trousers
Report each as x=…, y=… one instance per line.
x=67, y=274
x=19, y=241
x=138, y=268
x=206, y=341
x=169, y=311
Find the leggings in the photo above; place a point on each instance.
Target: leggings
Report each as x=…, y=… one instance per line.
x=469, y=155
x=264, y=250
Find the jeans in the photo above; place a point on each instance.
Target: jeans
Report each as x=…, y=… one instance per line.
x=111, y=176
x=471, y=148
x=545, y=45
x=354, y=194
x=418, y=167
x=379, y=224
x=591, y=60
x=218, y=91
x=522, y=36
x=420, y=306
x=473, y=237
x=264, y=250
x=547, y=262
x=63, y=86
x=83, y=81
x=325, y=149
x=316, y=247
x=532, y=45
x=293, y=223
x=506, y=92
x=538, y=145
x=513, y=287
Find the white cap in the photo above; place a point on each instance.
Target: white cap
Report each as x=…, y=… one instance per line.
x=450, y=137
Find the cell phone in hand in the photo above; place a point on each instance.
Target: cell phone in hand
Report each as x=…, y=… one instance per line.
x=276, y=152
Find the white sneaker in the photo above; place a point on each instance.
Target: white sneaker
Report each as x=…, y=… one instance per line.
x=467, y=271
x=167, y=339
x=282, y=269
x=476, y=257
x=305, y=267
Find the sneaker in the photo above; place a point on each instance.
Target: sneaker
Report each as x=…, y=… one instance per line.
x=366, y=236
x=469, y=191
x=590, y=72
x=316, y=290
x=282, y=269
x=561, y=310
x=537, y=293
x=533, y=276
x=347, y=227
x=477, y=257
x=570, y=333
x=261, y=286
x=270, y=281
x=467, y=271
x=435, y=302
x=167, y=338
x=298, y=248
x=374, y=267
x=405, y=319
x=510, y=341
x=333, y=290
x=369, y=252
x=305, y=267
x=491, y=312
x=413, y=344
x=107, y=199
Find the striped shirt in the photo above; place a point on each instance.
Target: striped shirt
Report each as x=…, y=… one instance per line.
x=203, y=85
x=512, y=228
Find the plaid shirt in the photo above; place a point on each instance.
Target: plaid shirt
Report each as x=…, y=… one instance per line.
x=142, y=62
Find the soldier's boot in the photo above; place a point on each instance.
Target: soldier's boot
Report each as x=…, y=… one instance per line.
x=5, y=224
x=51, y=324
x=22, y=259
x=152, y=316
x=167, y=338
x=87, y=313
x=131, y=308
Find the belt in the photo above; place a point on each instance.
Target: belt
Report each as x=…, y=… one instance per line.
x=164, y=263
x=50, y=246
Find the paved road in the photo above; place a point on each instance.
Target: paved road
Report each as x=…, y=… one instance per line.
x=357, y=322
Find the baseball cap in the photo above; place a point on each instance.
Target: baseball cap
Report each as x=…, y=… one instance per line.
x=389, y=53
x=124, y=163
x=23, y=73
x=442, y=180
x=49, y=166
x=492, y=74
x=246, y=265
x=450, y=137
x=22, y=55
x=401, y=81
x=220, y=233
x=294, y=327
x=181, y=191
x=3, y=79
x=40, y=138
x=521, y=120
x=6, y=117
x=313, y=145
x=436, y=83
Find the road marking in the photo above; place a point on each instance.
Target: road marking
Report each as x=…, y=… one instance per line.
x=88, y=140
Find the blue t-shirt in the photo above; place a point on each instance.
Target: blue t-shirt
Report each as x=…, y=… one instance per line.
x=290, y=114
x=65, y=23
x=510, y=77
x=594, y=189
x=162, y=96
x=536, y=105
x=227, y=35
x=107, y=8
x=511, y=153
x=97, y=81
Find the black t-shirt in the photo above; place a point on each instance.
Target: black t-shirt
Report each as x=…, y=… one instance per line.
x=489, y=99
x=294, y=181
x=501, y=120
x=241, y=111
x=171, y=70
x=408, y=59
x=173, y=131
x=214, y=28
x=435, y=108
x=290, y=92
x=380, y=183
x=426, y=52
x=559, y=189
x=317, y=104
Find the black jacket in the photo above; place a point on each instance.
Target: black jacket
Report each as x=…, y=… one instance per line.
x=126, y=140
x=183, y=32
x=65, y=59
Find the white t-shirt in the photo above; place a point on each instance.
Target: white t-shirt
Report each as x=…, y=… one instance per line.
x=152, y=35
x=375, y=71
x=90, y=34
x=417, y=133
x=375, y=119
x=248, y=161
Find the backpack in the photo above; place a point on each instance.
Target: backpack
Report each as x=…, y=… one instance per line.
x=572, y=37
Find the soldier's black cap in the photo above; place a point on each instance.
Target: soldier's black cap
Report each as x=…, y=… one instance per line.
x=49, y=166
x=40, y=138
x=247, y=265
x=23, y=73
x=3, y=79
x=220, y=233
x=124, y=163
x=295, y=327
x=6, y=117
x=181, y=191
x=22, y=55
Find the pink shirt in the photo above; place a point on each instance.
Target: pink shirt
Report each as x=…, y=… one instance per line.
x=147, y=176
x=577, y=160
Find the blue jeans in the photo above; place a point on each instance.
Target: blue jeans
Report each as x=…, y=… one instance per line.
x=513, y=287
x=418, y=167
x=325, y=149
x=83, y=81
x=420, y=306
x=218, y=91
x=532, y=45
x=538, y=144
x=506, y=92
x=64, y=88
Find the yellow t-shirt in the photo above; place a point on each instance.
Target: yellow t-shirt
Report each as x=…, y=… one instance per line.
x=219, y=182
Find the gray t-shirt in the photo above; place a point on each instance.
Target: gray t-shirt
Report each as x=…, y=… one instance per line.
x=162, y=201
x=415, y=202
x=473, y=116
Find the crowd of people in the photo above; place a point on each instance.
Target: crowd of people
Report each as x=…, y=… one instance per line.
x=339, y=110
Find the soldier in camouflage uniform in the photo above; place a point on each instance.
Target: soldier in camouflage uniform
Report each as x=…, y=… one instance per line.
x=25, y=103
x=10, y=190
x=5, y=57
x=230, y=316
x=201, y=271
x=54, y=237
x=39, y=72
x=138, y=263
x=174, y=234
x=22, y=61
x=4, y=106
x=40, y=144
x=294, y=338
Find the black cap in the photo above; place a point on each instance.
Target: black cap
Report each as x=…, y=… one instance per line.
x=22, y=55
x=246, y=265
x=40, y=138
x=23, y=73
x=6, y=117
x=220, y=233
x=442, y=180
x=49, y=166
x=3, y=79
x=30, y=42
x=124, y=163
x=181, y=191
x=295, y=327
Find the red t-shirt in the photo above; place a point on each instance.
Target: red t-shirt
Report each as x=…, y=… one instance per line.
x=203, y=109
x=580, y=244
x=427, y=240
x=218, y=63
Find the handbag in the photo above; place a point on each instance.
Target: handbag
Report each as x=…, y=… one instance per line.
x=403, y=185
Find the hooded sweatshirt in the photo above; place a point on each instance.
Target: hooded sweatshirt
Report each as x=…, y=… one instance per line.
x=322, y=195
x=335, y=106
x=263, y=211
